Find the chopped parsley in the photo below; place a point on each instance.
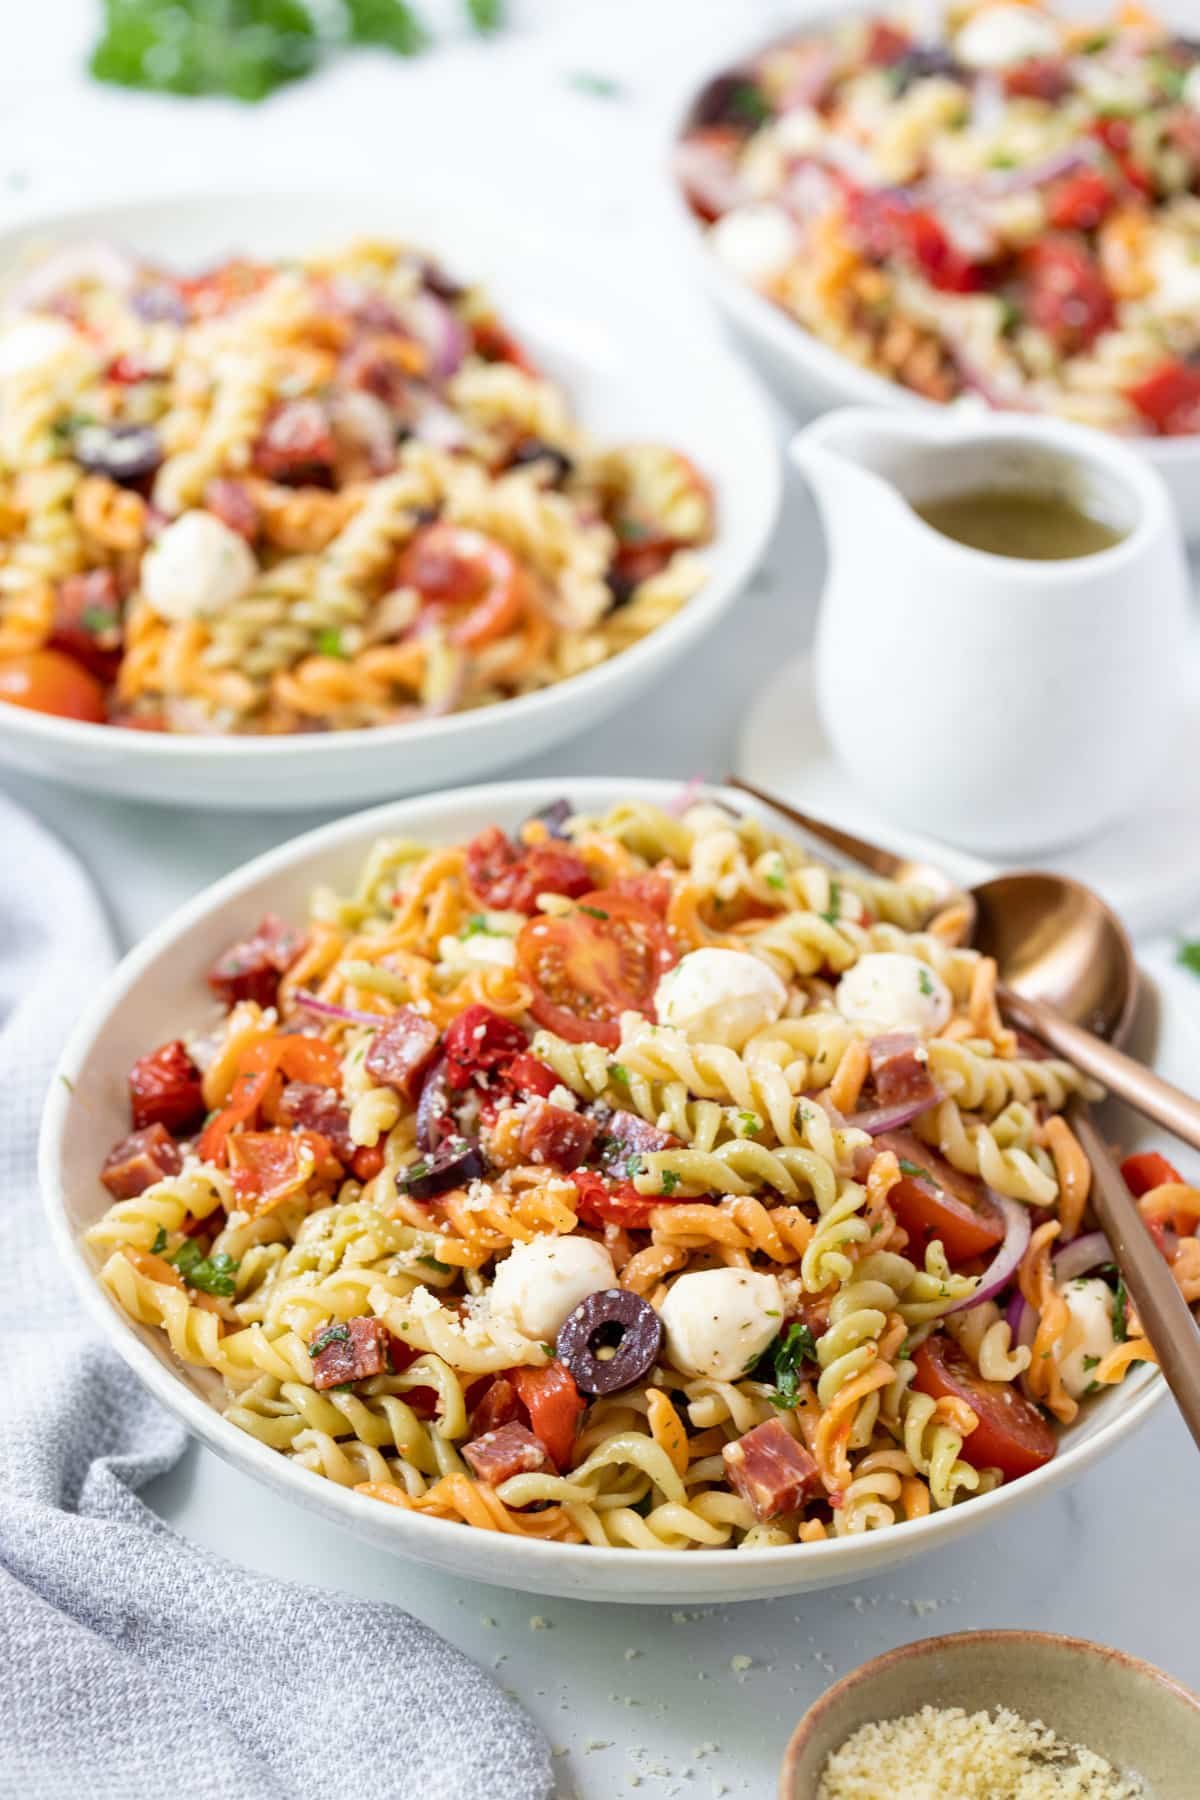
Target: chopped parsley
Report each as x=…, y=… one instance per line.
x=160, y=1242
x=332, y=1334
x=748, y=1124
x=97, y=619
x=619, y=1072
x=431, y=1262
x=633, y=1167
x=669, y=1181
x=604, y=87
x=925, y=981
x=329, y=642
x=776, y=877
x=794, y=1346
x=1188, y=955
x=747, y=105
x=211, y=1274
x=1120, y=1312
x=593, y=912
x=474, y=925
x=911, y=1168
x=834, y=912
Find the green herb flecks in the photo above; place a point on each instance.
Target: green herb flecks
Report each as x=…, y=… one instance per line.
x=332, y=1334
x=1120, y=1312
x=795, y=1346
x=439, y=1268
x=329, y=643
x=594, y=912
x=834, y=910
x=160, y=1242
x=747, y=105
x=474, y=926
x=748, y=1124
x=619, y=1073
x=211, y=1274
x=1188, y=955
x=925, y=981
x=587, y=81
x=912, y=1168
x=668, y=1181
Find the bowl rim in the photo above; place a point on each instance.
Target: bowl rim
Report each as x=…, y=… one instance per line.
x=839, y=1556
x=787, y=335
x=1011, y=1638
x=674, y=636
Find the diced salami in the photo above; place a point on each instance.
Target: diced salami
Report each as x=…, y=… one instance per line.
x=479, y=1042
x=770, y=1470
x=87, y=621
x=318, y=1109
x=164, y=1089
x=900, y=1071
x=624, y=1137
x=401, y=1051
x=551, y=1134
x=351, y=1351
x=511, y=1450
x=297, y=445
x=140, y=1160
x=251, y=969
x=235, y=506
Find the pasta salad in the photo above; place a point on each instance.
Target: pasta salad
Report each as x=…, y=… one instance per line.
x=634, y=1181
x=980, y=198
x=284, y=497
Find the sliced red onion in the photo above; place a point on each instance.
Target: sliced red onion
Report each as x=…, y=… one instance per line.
x=1006, y=1261
x=687, y=796
x=438, y=426
x=434, y=1118
x=92, y=260
x=440, y=330
x=554, y=817
x=328, y=1010
x=893, y=1118
x=1035, y=175
x=1021, y=1321
x=1080, y=1255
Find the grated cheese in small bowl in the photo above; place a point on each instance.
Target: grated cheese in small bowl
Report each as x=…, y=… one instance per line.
x=945, y=1753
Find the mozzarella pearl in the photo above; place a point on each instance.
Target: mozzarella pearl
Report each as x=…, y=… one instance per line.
x=538, y=1285
x=756, y=242
x=197, y=568
x=31, y=343
x=1000, y=36
x=719, y=996
x=1089, y=1336
x=718, y=1322
x=897, y=992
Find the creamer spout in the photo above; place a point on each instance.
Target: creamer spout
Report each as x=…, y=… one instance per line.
x=850, y=459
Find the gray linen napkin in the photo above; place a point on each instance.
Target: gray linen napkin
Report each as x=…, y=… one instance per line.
x=134, y=1666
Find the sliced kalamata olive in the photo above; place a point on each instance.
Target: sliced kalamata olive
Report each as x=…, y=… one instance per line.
x=535, y=450
x=624, y=1138
x=554, y=817
x=614, y=1320
x=452, y=1164
x=435, y=1121
x=125, y=453
x=159, y=302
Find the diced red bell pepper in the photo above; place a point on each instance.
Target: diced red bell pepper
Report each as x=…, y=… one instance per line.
x=1169, y=397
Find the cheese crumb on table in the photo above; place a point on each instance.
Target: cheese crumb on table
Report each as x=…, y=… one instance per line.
x=948, y=1754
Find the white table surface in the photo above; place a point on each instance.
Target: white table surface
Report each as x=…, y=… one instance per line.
x=629, y=1696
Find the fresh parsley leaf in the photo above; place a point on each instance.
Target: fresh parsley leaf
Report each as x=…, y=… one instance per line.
x=633, y=1167
x=925, y=981
x=160, y=1241
x=604, y=87
x=669, y=1180
x=97, y=619
x=748, y=1124
x=747, y=105
x=1090, y=1362
x=794, y=1346
x=332, y=1334
x=619, y=1073
x=911, y=1168
x=593, y=912
x=776, y=877
x=474, y=925
x=243, y=48
x=834, y=912
x=1120, y=1312
x=486, y=15
x=1188, y=955
x=211, y=1274
x=387, y=22
x=431, y=1262
x=329, y=642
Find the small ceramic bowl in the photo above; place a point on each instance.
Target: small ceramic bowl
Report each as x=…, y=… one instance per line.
x=1142, y=1721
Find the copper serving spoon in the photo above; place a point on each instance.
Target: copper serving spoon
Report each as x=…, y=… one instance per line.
x=1068, y=976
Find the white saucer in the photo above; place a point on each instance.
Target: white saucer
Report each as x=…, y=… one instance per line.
x=1147, y=868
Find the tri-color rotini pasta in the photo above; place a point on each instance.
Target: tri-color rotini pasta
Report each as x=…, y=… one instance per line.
x=632, y=1181
x=311, y=495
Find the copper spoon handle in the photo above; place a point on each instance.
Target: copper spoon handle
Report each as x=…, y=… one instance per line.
x=1162, y=1309
x=871, y=856
x=1138, y=1086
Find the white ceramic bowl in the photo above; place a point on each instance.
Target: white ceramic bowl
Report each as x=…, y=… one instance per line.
x=631, y=374
x=159, y=990
x=811, y=375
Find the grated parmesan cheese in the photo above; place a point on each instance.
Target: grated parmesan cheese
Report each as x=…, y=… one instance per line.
x=948, y=1754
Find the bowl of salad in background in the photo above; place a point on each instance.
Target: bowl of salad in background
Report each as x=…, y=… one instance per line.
x=290, y=514
x=1003, y=208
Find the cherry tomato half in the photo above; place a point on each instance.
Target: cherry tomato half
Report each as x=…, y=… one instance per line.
x=554, y=1404
x=1012, y=1435
x=933, y=1199
x=47, y=681
x=590, y=965
x=1148, y=1170
x=509, y=877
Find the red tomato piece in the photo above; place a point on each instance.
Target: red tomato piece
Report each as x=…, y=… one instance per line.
x=478, y=1043
x=297, y=444
x=1148, y=1170
x=589, y=966
x=495, y=343
x=268, y=1166
x=87, y=621
x=1039, y=78
x=1068, y=297
x=509, y=877
x=651, y=889
x=601, y=1202
x=295, y=1057
x=933, y=1199
x=164, y=1089
x=1117, y=137
x=1081, y=202
x=496, y=1406
x=554, y=1405
x=1012, y=1435
x=527, y=1075
x=887, y=225
x=453, y=565
x=885, y=44
x=366, y=1162
x=47, y=681
x=1169, y=397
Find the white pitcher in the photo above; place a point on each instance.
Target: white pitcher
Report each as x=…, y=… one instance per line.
x=1004, y=704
